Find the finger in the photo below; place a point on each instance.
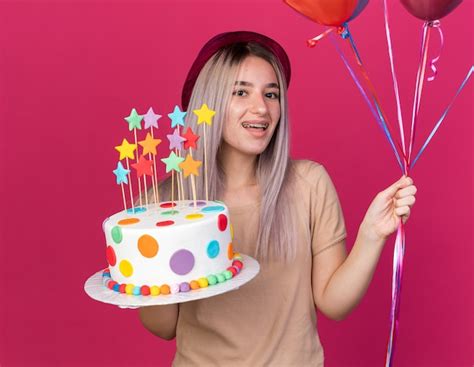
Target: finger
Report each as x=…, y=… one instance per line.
x=404, y=210
x=406, y=201
x=405, y=218
x=400, y=184
x=407, y=191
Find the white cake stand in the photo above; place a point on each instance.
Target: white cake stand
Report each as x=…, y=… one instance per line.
x=95, y=288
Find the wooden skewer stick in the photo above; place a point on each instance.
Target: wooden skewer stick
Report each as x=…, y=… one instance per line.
x=130, y=186
x=157, y=197
x=138, y=178
x=178, y=181
x=193, y=182
x=181, y=173
x=153, y=182
x=205, y=164
x=146, y=191
x=123, y=196
x=172, y=189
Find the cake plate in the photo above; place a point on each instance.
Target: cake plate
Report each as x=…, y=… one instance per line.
x=95, y=288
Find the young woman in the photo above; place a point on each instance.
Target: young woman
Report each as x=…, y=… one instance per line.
x=285, y=213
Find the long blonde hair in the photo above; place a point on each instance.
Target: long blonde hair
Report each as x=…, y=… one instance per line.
x=214, y=86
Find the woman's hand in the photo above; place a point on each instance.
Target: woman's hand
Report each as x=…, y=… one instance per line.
x=389, y=208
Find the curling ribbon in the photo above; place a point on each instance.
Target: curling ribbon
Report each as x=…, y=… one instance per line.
x=435, y=129
x=420, y=77
x=437, y=25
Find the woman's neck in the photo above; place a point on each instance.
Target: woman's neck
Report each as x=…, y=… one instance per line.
x=239, y=168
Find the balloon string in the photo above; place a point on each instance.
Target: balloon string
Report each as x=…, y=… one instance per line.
x=313, y=41
x=395, y=85
x=399, y=248
x=345, y=34
x=420, y=77
x=397, y=273
x=437, y=25
x=435, y=129
x=378, y=115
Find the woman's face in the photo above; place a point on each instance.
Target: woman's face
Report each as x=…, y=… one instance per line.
x=254, y=109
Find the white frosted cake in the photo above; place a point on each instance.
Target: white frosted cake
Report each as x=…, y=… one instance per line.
x=169, y=248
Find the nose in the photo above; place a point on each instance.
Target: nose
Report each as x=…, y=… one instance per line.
x=259, y=105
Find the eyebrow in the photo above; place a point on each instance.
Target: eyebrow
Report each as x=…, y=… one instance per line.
x=248, y=84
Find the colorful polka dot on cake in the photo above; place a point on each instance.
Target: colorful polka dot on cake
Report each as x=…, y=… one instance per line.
x=198, y=203
x=182, y=262
x=117, y=234
x=148, y=246
x=194, y=216
x=222, y=222
x=215, y=208
x=165, y=223
x=230, y=251
x=128, y=221
x=126, y=268
x=110, y=255
x=170, y=212
x=213, y=249
x=137, y=209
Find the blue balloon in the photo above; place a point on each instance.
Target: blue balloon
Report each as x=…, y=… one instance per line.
x=361, y=4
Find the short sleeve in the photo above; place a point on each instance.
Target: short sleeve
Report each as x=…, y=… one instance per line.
x=326, y=218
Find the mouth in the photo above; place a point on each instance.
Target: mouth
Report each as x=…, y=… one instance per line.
x=256, y=125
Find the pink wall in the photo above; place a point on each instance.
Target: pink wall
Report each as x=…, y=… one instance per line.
x=69, y=73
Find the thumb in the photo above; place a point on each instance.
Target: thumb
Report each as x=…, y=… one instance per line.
x=390, y=191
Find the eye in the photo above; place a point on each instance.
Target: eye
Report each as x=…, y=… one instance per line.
x=240, y=93
x=272, y=95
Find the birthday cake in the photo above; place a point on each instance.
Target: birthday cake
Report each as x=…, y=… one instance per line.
x=169, y=248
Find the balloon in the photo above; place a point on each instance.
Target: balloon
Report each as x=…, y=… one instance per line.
x=326, y=12
x=360, y=6
x=430, y=10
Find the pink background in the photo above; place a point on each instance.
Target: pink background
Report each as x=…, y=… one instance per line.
x=69, y=73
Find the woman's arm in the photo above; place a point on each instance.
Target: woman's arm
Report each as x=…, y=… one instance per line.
x=340, y=281
x=160, y=320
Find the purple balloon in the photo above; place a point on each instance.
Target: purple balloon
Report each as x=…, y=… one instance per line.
x=361, y=4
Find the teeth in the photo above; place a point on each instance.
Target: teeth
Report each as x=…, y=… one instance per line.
x=255, y=126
